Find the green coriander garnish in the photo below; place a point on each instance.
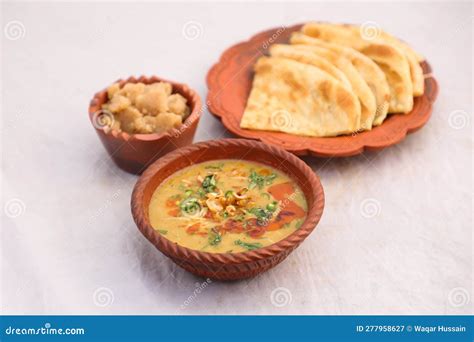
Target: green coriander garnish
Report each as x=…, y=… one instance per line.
x=209, y=183
x=263, y=215
x=214, y=237
x=247, y=245
x=215, y=166
x=201, y=192
x=257, y=180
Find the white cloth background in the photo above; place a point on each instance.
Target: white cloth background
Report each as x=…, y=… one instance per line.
x=74, y=249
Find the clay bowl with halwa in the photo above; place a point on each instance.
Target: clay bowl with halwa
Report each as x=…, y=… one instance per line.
x=227, y=209
x=141, y=119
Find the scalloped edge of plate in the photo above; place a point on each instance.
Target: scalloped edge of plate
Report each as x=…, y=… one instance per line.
x=322, y=147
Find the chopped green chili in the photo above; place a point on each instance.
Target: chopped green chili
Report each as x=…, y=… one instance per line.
x=190, y=205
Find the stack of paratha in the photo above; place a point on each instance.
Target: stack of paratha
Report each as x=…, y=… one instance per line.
x=332, y=80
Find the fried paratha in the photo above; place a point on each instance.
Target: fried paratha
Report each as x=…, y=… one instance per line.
x=293, y=97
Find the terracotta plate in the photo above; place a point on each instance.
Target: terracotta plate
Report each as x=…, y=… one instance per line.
x=230, y=81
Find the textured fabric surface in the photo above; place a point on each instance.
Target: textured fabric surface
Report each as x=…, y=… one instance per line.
x=396, y=234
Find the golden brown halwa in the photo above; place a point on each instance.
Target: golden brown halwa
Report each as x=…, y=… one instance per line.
x=139, y=108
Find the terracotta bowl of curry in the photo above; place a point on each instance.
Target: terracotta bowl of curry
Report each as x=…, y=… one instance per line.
x=134, y=152
x=227, y=209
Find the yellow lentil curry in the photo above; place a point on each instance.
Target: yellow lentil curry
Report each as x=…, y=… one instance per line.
x=227, y=206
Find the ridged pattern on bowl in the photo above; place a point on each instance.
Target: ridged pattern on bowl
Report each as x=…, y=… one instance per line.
x=229, y=82
x=228, y=266
x=134, y=152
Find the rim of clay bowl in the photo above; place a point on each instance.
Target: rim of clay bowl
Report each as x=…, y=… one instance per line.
x=172, y=249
